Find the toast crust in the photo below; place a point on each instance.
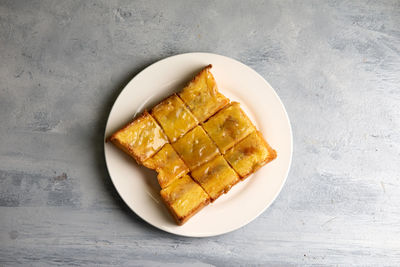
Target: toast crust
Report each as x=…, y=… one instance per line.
x=183, y=220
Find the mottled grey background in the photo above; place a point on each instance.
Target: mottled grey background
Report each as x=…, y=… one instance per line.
x=335, y=65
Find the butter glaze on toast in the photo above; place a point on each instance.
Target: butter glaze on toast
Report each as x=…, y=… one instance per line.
x=228, y=126
x=250, y=154
x=201, y=95
x=216, y=177
x=140, y=138
x=196, y=148
x=174, y=118
x=168, y=165
x=184, y=198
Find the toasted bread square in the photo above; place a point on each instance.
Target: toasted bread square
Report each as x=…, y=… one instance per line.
x=184, y=198
x=250, y=154
x=141, y=138
x=168, y=165
x=195, y=148
x=202, y=97
x=228, y=126
x=215, y=177
x=174, y=117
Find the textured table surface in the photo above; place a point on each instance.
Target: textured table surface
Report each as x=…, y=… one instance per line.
x=335, y=65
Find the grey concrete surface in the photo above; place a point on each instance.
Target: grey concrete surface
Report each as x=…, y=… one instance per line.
x=335, y=65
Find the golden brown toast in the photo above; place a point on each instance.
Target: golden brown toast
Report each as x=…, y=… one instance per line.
x=168, y=165
x=195, y=148
x=201, y=95
x=215, y=177
x=184, y=198
x=228, y=126
x=250, y=154
x=173, y=116
x=141, y=138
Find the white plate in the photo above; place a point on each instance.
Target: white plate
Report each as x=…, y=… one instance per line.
x=138, y=186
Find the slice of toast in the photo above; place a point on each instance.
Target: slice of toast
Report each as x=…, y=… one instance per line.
x=141, y=138
x=174, y=118
x=195, y=148
x=216, y=177
x=184, y=198
x=201, y=95
x=228, y=126
x=168, y=165
x=250, y=154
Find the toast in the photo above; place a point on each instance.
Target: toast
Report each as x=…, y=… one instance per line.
x=168, y=165
x=216, y=177
x=174, y=118
x=195, y=148
x=201, y=95
x=140, y=138
x=250, y=154
x=228, y=126
x=184, y=198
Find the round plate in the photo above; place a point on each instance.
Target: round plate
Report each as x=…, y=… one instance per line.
x=138, y=186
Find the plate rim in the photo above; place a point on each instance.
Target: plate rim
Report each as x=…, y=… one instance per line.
x=277, y=193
